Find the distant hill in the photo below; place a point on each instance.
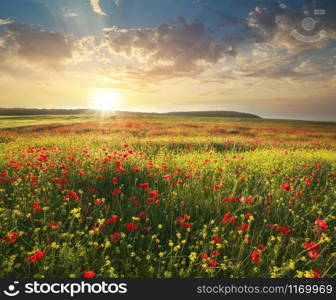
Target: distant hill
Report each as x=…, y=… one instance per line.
x=38, y=111
x=221, y=114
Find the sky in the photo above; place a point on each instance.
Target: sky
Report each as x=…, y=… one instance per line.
x=274, y=58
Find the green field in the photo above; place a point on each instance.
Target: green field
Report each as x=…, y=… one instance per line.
x=164, y=196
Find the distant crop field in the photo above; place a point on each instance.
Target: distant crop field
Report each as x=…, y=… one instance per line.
x=171, y=196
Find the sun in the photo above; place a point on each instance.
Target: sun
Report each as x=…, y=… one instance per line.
x=106, y=100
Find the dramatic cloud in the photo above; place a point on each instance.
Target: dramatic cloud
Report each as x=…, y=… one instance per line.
x=32, y=44
x=188, y=49
x=275, y=53
x=174, y=48
x=96, y=7
x=270, y=62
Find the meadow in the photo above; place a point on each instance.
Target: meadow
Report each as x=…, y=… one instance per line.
x=150, y=196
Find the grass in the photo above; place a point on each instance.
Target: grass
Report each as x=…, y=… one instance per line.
x=166, y=196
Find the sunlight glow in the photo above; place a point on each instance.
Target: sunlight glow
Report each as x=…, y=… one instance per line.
x=106, y=100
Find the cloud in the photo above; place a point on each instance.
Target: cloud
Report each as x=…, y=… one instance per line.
x=70, y=15
x=275, y=53
x=270, y=62
x=176, y=48
x=190, y=49
x=180, y=48
x=34, y=45
x=97, y=8
x=5, y=21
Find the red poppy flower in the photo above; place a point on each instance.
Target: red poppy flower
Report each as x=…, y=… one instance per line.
x=204, y=256
x=115, y=236
x=37, y=256
x=214, y=253
x=166, y=177
x=248, y=200
x=243, y=227
x=144, y=185
x=226, y=217
x=216, y=239
x=216, y=187
x=11, y=237
x=249, y=215
x=154, y=194
x=232, y=220
x=286, y=187
x=53, y=225
x=115, y=180
x=313, y=246
x=149, y=200
x=313, y=254
x=229, y=199
x=89, y=274
x=308, y=181
x=73, y=195
x=185, y=225
x=142, y=215
x=34, y=184
x=116, y=191
x=112, y=220
x=36, y=207
x=98, y=201
x=284, y=230
x=131, y=227
x=255, y=256
x=322, y=224
x=212, y=263
x=315, y=274
x=57, y=180
x=183, y=219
